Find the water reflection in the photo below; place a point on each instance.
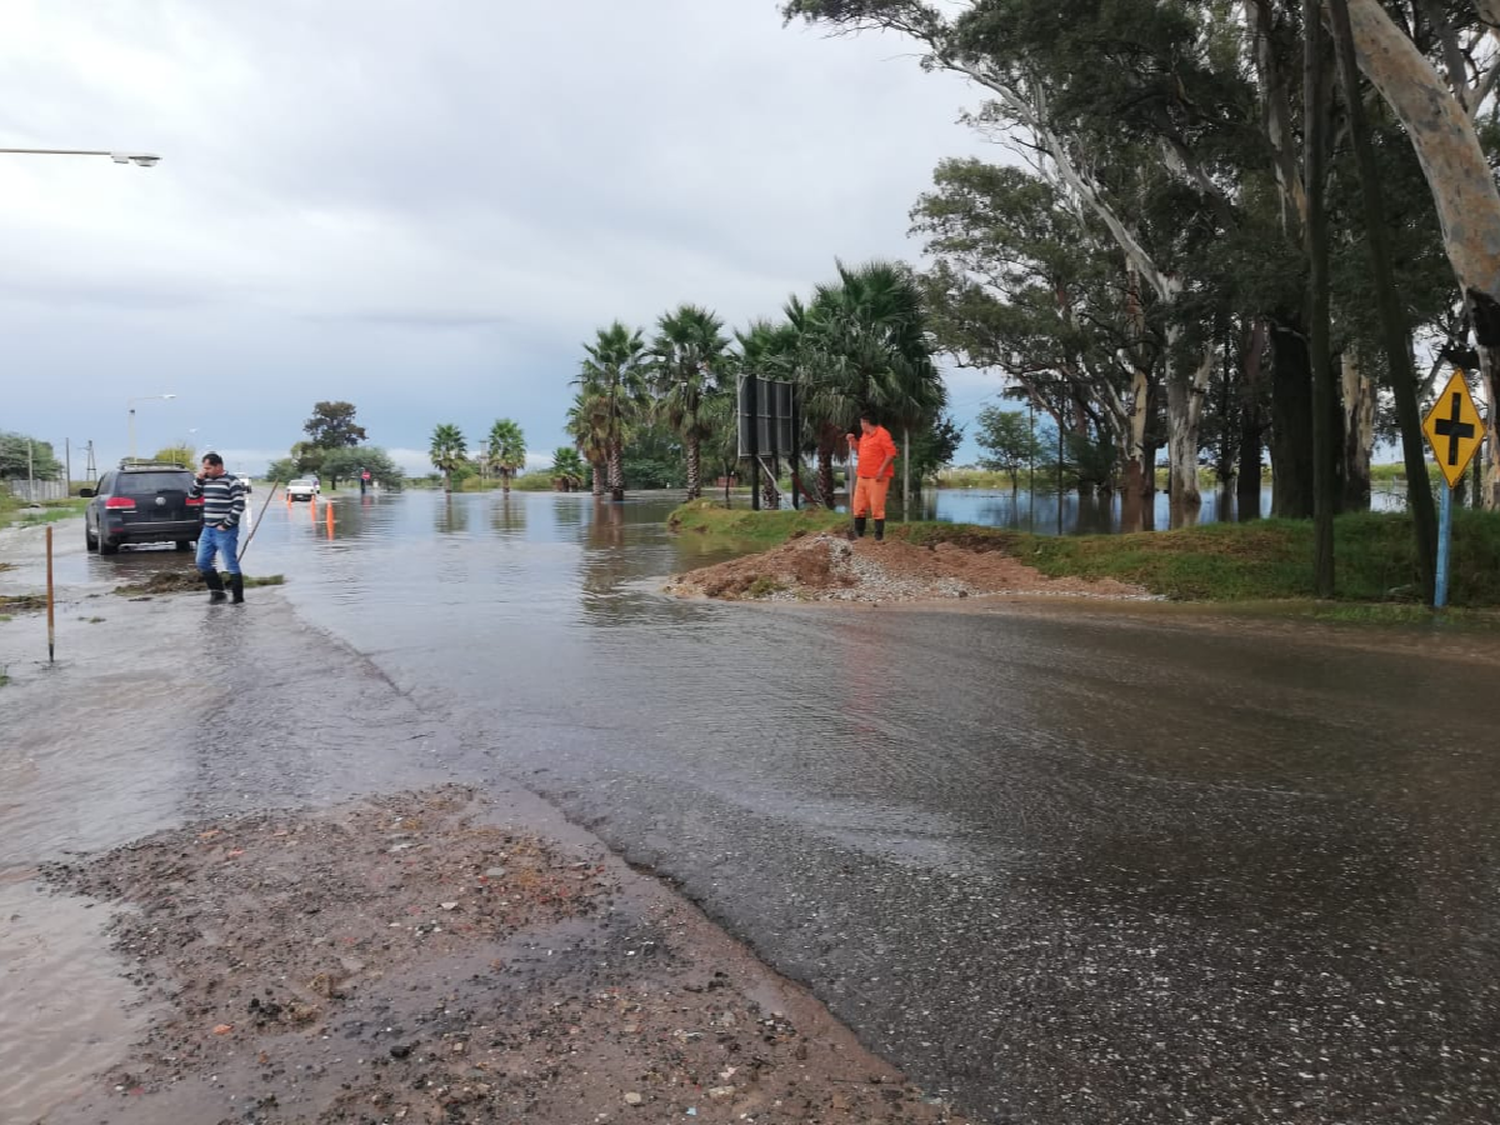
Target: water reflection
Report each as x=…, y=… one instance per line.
x=452, y=516
x=1043, y=514
x=508, y=515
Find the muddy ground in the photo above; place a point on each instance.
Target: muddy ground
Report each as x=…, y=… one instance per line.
x=430, y=955
x=830, y=567
x=413, y=959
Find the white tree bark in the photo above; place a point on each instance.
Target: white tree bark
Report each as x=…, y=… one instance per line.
x=1185, y=397
x=1359, y=417
x=1462, y=185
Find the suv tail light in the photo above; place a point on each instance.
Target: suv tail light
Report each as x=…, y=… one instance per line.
x=120, y=502
x=195, y=501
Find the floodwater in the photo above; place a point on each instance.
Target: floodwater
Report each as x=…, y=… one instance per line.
x=1041, y=513
x=1062, y=864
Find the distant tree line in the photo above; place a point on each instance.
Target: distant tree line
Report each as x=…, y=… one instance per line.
x=334, y=451
x=859, y=343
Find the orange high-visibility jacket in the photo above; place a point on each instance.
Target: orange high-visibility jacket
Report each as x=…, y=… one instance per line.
x=875, y=448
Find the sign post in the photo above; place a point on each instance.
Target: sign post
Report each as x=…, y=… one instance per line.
x=1454, y=430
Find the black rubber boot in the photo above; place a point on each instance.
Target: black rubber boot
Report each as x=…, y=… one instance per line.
x=880, y=531
x=237, y=588
x=215, y=585
x=859, y=526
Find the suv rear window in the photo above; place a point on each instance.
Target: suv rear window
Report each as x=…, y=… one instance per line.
x=149, y=484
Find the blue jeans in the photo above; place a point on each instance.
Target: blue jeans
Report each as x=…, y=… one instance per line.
x=212, y=541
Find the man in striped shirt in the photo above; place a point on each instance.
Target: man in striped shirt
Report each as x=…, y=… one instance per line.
x=223, y=505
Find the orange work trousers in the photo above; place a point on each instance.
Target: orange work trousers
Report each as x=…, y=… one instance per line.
x=869, y=493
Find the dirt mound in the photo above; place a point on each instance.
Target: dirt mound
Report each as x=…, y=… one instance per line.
x=830, y=567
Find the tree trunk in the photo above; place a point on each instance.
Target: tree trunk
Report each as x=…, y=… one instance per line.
x=771, y=495
x=1252, y=426
x=694, y=469
x=1462, y=183
x=825, y=477
x=1315, y=131
x=1359, y=432
x=1135, y=489
x=617, y=472
x=1291, y=421
x=1184, y=415
x=598, y=479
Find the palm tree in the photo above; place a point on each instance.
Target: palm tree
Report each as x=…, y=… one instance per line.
x=507, y=450
x=567, y=468
x=448, y=452
x=687, y=353
x=588, y=424
x=614, y=369
x=865, y=346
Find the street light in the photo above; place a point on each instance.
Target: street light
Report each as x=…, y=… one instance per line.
x=140, y=159
x=130, y=402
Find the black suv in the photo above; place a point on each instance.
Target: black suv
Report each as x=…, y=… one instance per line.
x=142, y=502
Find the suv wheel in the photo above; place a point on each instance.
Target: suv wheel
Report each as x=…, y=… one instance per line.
x=90, y=540
x=108, y=546
x=184, y=544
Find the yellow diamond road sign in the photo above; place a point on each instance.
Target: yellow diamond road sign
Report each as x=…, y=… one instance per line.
x=1453, y=428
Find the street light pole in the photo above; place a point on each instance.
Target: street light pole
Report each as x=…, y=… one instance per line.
x=140, y=159
x=130, y=403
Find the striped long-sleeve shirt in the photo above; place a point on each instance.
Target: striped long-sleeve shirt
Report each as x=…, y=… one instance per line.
x=223, y=500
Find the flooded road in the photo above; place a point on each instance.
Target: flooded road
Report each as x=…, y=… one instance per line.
x=1064, y=864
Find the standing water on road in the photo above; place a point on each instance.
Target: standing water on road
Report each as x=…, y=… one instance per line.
x=1066, y=865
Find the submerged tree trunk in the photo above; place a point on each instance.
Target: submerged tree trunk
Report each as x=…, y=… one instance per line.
x=617, y=472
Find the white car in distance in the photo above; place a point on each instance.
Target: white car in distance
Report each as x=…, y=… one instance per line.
x=301, y=489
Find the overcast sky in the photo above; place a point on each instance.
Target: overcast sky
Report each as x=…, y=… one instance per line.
x=422, y=209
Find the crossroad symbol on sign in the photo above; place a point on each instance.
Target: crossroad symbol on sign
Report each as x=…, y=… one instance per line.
x=1453, y=428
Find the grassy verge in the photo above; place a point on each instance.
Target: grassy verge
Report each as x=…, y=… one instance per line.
x=1262, y=561
x=747, y=528
x=18, y=512
x=51, y=511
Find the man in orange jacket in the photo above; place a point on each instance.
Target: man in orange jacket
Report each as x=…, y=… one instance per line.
x=877, y=461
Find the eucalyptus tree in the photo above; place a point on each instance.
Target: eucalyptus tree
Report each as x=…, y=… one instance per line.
x=615, y=370
x=1438, y=89
x=687, y=357
x=1009, y=439
x=1023, y=282
x=507, y=450
x=448, y=451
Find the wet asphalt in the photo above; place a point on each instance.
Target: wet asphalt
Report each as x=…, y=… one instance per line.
x=1060, y=862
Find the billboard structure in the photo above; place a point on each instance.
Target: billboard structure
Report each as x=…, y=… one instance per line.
x=767, y=423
